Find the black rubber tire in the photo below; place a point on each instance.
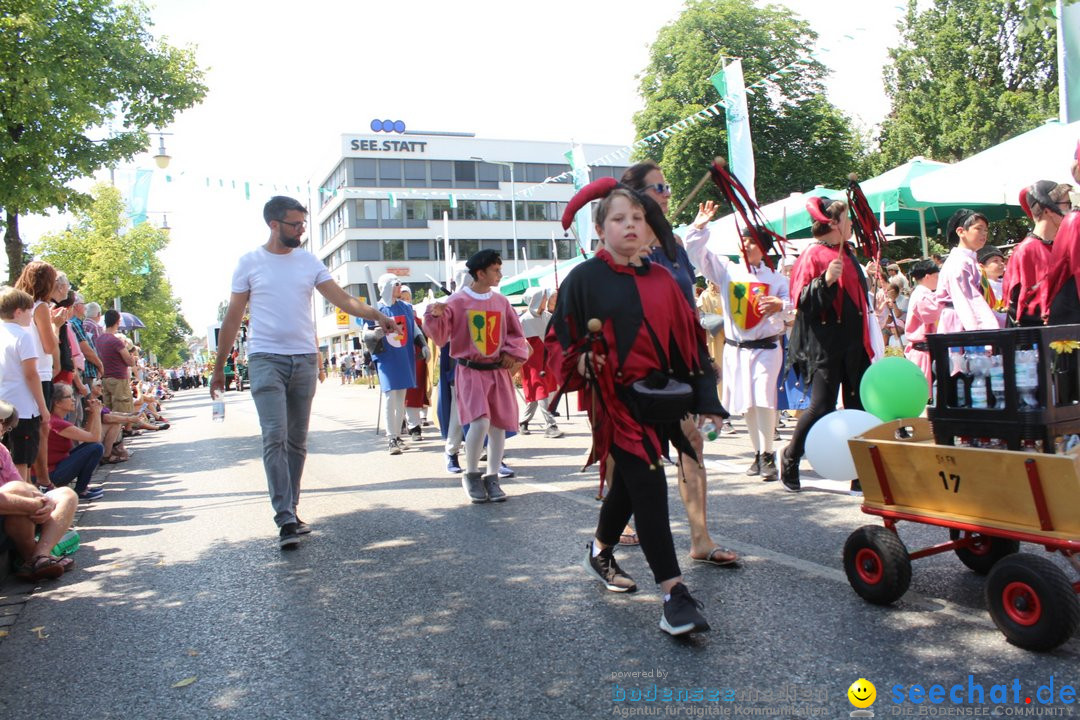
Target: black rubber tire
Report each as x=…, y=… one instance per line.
x=877, y=564
x=1032, y=602
x=991, y=549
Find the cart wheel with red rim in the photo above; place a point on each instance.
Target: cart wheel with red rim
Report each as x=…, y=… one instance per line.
x=1032, y=602
x=877, y=564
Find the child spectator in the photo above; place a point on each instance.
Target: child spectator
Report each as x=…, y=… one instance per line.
x=20, y=384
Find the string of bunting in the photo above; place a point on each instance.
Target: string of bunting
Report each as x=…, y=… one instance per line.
x=705, y=114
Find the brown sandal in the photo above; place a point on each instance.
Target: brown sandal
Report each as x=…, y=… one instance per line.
x=42, y=567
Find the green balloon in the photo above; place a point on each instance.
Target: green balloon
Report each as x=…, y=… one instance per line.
x=894, y=388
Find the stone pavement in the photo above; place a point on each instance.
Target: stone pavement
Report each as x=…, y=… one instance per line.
x=408, y=602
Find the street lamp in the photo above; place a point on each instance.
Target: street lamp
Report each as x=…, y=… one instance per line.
x=162, y=158
x=513, y=203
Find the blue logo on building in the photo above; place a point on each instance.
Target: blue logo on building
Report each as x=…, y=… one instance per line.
x=397, y=126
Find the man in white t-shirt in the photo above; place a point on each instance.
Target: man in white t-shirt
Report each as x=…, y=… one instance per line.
x=277, y=280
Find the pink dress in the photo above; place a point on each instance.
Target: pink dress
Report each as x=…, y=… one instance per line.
x=963, y=306
x=924, y=308
x=479, y=328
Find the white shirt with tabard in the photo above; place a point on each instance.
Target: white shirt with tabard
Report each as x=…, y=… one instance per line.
x=281, y=288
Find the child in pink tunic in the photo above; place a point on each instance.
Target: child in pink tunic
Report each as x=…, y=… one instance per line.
x=488, y=343
x=963, y=306
x=923, y=311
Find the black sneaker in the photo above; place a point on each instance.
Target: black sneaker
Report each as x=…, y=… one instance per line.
x=394, y=446
x=414, y=433
x=288, y=537
x=768, y=467
x=682, y=613
x=302, y=528
x=789, y=473
x=523, y=429
x=495, y=493
x=856, y=488
x=607, y=570
x=755, y=467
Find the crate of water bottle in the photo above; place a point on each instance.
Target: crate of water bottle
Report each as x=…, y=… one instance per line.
x=1025, y=375
x=1055, y=438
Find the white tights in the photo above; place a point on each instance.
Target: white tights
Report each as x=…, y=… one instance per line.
x=474, y=446
x=761, y=421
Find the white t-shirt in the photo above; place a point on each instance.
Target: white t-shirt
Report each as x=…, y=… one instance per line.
x=16, y=345
x=44, y=359
x=280, y=306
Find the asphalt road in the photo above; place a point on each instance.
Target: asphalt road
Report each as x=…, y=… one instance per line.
x=407, y=602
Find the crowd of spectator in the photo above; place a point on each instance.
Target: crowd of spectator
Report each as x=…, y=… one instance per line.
x=73, y=388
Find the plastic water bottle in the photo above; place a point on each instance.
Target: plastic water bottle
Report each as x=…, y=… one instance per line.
x=997, y=381
x=217, y=408
x=979, y=366
x=709, y=430
x=67, y=545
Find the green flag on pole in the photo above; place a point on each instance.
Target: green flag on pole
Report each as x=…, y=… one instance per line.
x=729, y=83
x=1068, y=27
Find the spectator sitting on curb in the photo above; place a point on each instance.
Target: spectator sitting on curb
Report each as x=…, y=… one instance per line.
x=67, y=463
x=25, y=509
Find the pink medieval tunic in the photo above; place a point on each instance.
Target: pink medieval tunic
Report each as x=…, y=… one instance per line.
x=963, y=306
x=924, y=308
x=480, y=327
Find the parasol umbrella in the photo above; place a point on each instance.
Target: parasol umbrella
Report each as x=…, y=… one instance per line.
x=130, y=322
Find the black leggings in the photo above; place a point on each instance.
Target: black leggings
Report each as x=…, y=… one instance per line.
x=846, y=370
x=636, y=490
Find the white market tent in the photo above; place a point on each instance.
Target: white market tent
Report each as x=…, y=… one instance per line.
x=996, y=175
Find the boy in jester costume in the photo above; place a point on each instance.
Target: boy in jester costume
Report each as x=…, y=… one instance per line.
x=488, y=344
x=396, y=361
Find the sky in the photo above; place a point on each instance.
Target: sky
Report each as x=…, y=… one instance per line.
x=286, y=80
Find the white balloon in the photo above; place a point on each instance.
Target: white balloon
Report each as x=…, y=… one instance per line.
x=826, y=444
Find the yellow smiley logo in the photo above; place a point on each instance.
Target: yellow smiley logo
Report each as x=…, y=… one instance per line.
x=862, y=693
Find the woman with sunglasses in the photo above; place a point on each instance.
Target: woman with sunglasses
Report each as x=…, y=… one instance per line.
x=67, y=463
x=647, y=178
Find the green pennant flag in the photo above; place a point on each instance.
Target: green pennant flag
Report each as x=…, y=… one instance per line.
x=453, y=201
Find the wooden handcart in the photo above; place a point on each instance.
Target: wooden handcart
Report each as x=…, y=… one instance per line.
x=990, y=501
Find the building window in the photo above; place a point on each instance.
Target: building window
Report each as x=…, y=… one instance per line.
x=390, y=215
x=389, y=173
x=556, y=170
x=418, y=250
x=466, y=210
x=464, y=173
x=416, y=173
x=364, y=172
x=393, y=249
x=465, y=249
x=535, y=172
x=365, y=250
x=438, y=207
x=488, y=209
x=416, y=213
x=496, y=245
x=332, y=225
x=539, y=249
x=488, y=175
x=442, y=173
x=366, y=213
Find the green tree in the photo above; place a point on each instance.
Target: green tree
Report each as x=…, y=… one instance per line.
x=104, y=261
x=69, y=69
x=802, y=138
x=965, y=77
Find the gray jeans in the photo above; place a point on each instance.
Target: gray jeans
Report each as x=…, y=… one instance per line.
x=282, y=387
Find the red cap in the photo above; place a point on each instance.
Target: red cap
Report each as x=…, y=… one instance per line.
x=593, y=191
x=816, y=207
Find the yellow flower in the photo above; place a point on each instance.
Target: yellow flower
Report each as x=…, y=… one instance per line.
x=1065, y=347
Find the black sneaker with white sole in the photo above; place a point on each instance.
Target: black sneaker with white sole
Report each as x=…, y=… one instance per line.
x=682, y=613
x=604, y=567
x=302, y=528
x=288, y=537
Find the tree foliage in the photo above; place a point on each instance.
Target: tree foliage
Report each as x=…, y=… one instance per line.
x=800, y=138
x=104, y=261
x=967, y=75
x=68, y=69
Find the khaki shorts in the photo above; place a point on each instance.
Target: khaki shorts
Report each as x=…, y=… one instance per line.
x=116, y=393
